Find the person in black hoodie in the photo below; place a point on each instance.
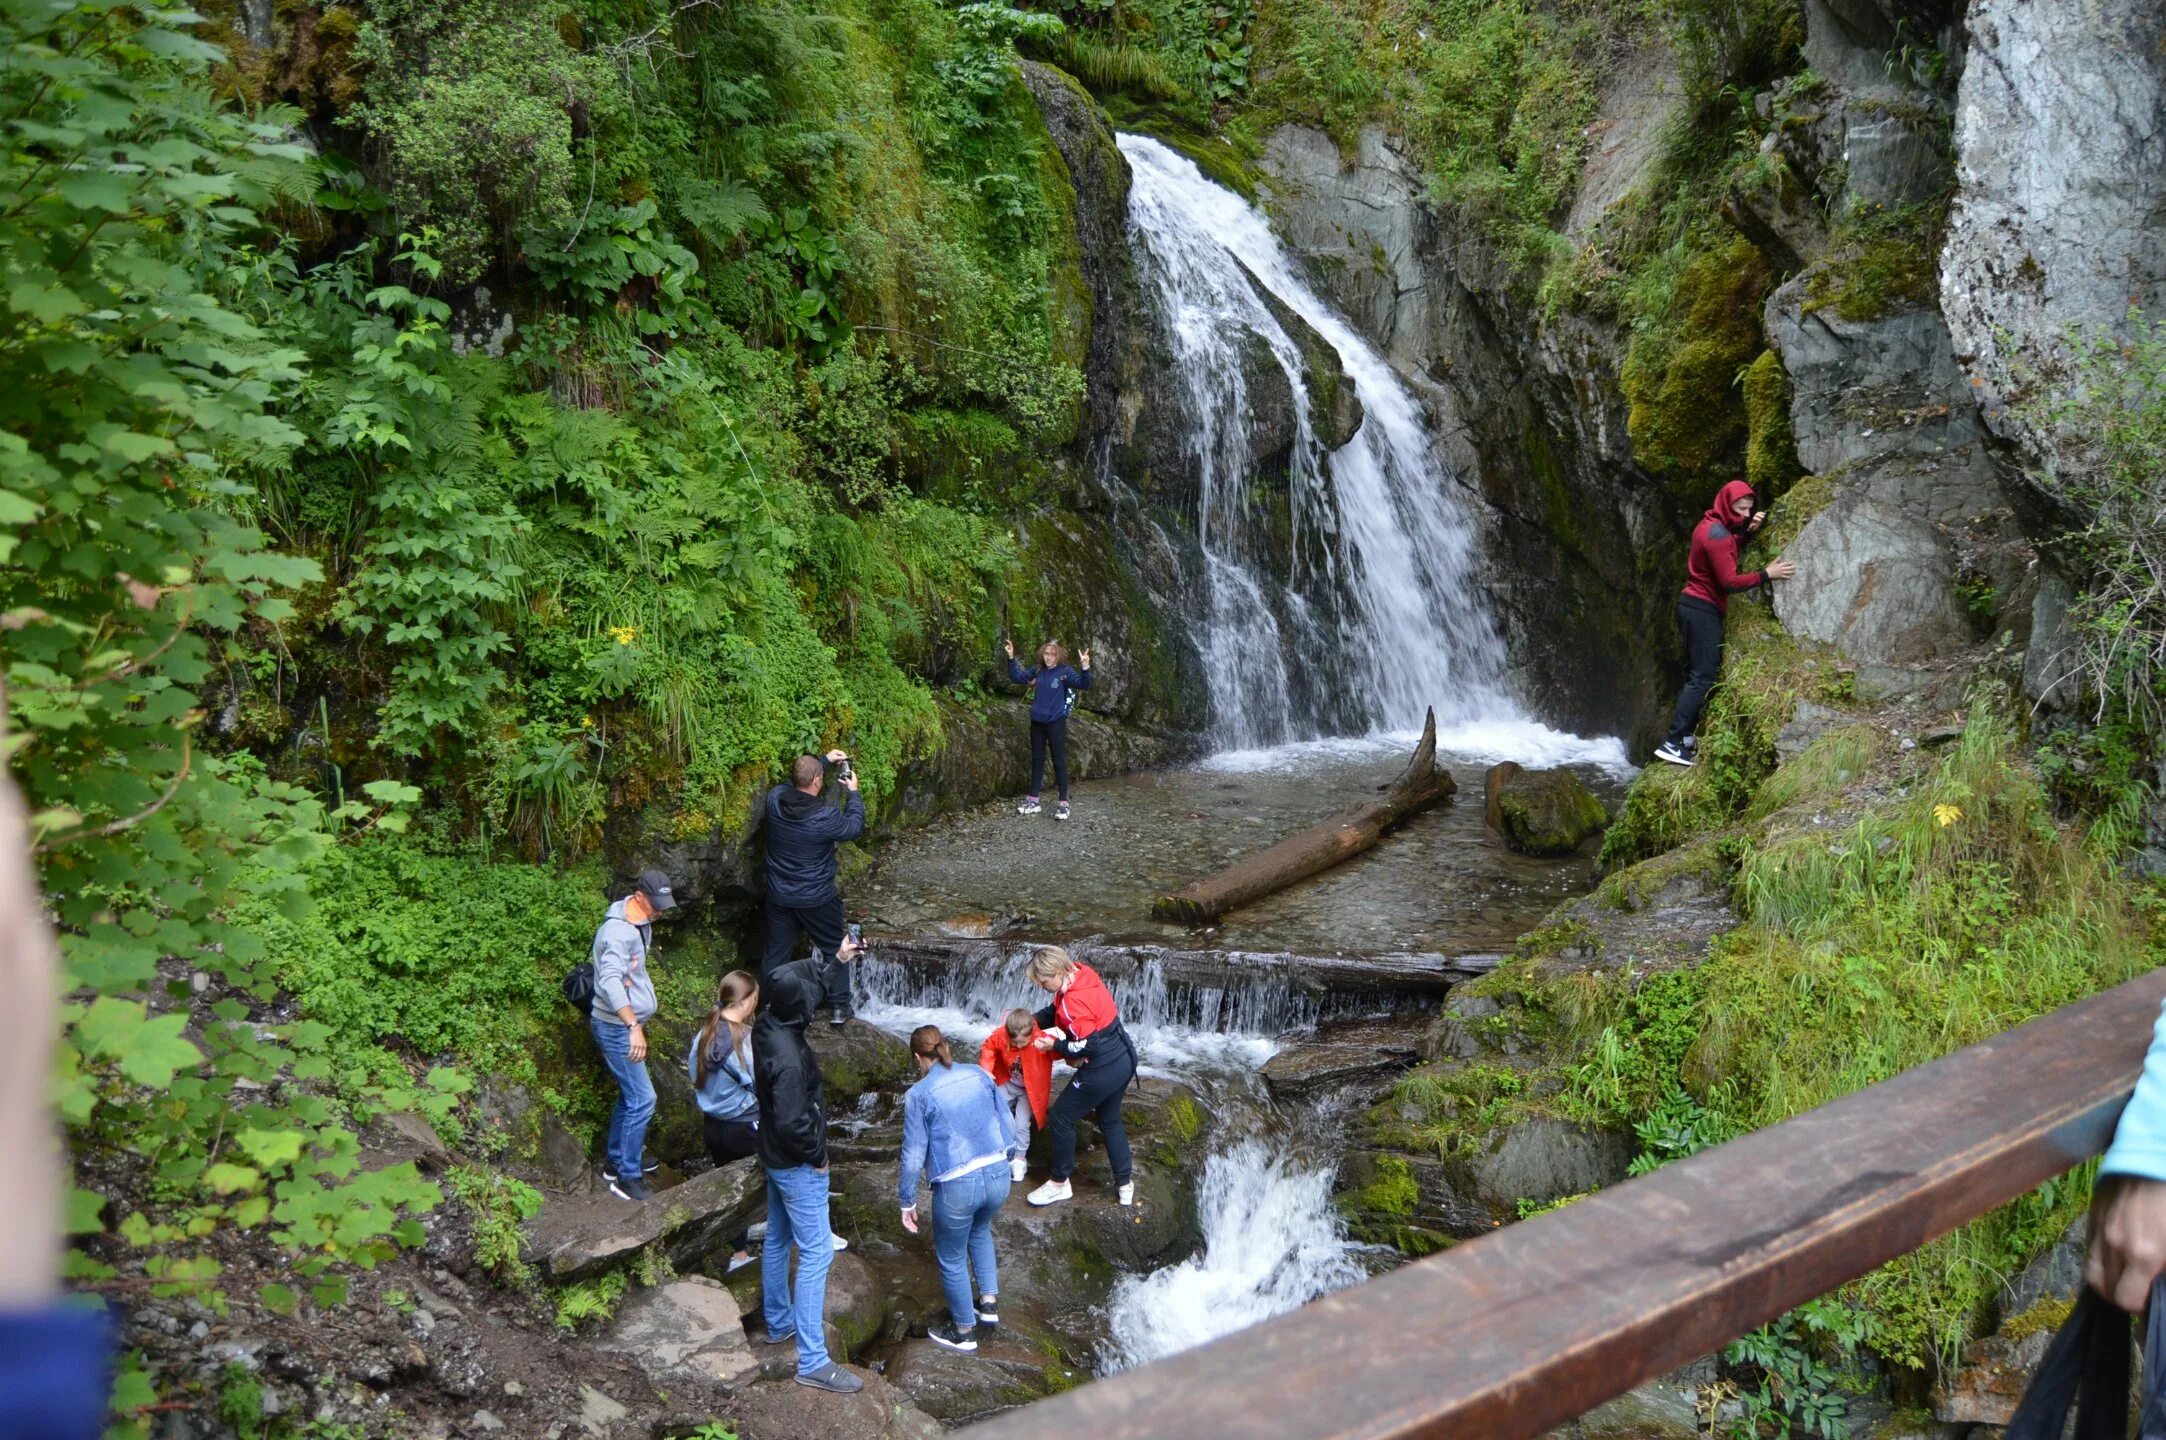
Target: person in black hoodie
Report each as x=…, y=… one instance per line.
x=793, y=1149
x=802, y=833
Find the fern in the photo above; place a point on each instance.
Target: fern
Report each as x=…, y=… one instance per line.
x=1118, y=66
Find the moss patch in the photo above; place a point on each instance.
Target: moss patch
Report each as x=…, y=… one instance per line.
x=1879, y=261
x=1686, y=417
x=1771, y=463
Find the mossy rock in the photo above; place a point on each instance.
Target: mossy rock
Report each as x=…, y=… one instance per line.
x=1548, y=812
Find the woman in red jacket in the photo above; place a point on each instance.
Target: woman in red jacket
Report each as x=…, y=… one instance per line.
x=1083, y=1027
x=1024, y=1075
x=1710, y=575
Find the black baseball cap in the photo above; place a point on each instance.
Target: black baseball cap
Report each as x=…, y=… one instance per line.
x=655, y=886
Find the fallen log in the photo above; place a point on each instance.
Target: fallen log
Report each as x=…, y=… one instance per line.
x=1317, y=848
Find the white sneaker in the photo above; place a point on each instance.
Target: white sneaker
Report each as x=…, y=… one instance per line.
x=1672, y=754
x=1128, y=1193
x=1052, y=1192
x=1015, y=1169
x=840, y=1243
x=1060, y=811
x=1030, y=806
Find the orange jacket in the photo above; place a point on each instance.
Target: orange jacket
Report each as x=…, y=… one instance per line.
x=1000, y=1056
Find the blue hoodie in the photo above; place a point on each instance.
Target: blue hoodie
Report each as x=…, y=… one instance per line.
x=2139, y=1141
x=1049, y=698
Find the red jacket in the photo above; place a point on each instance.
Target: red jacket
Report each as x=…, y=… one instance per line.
x=1000, y=1057
x=1711, y=567
x=1086, y=1014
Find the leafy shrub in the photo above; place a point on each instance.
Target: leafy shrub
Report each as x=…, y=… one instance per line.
x=501, y=1206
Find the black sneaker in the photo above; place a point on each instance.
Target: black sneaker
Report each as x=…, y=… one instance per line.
x=769, y=1337
x=988, y=1313
x=946, y=1334
x=1671, y=754
x=647, y=1165
x=833, y=1377
x=630, y=1187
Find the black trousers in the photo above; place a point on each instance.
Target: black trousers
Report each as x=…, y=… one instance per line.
x=1702, y=629
x=785, y=923
x=729, y=1140
x=1049, y=735
x=1095, y=1091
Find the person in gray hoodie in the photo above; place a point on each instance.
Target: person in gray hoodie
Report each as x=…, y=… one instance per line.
x=623, y=1004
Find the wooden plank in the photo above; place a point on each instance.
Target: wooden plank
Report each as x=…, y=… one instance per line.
x=1514, y=1333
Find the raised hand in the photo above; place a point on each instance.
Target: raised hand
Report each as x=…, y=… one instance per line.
x=1085, y=656
x=1007, y=648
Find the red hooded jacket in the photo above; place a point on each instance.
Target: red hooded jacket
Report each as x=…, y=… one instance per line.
x=1001, y=1057
x=1711, y=568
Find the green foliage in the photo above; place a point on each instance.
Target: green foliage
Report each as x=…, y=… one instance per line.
x=591, y=1300
x=1879, y=260
x=146, y=401
x=1686, y=417
x=1795, y=1374
x=239, y=1400
x=1771, y=462
x=2104, y=772
x=501, y=1206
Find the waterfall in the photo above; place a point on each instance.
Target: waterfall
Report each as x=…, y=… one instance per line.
x=1384, y=610
x=1272, y=1240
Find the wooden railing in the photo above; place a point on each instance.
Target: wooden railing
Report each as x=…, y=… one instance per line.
x=1511, y=1334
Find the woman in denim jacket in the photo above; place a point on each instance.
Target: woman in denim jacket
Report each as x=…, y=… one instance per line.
x=956, y=1130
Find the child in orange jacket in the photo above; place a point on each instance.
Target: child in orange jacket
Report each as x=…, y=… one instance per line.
x=1023, y=1073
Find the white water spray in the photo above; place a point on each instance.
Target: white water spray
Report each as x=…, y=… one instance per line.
x=1271, y=1241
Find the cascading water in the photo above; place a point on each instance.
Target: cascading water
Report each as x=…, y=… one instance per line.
x=1385, y=597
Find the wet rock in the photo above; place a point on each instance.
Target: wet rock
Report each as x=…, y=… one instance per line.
x=1159, y=1229
x=1806, y=724
x=1655, y=1411
x=1542, y=1159
x=1341, y=1055
x=687, y=1332
x=485, y=1422
x=581, y=1239
x=856, y=1057
x=2056, y=1275
x=2049, y=660
x=1334, y=405
x=1989, y=1385
x=597, y=1411
x=954, y=1388
x=1493, y=789
x=563, y=1157
x=1875, y=582
x=1642, y=95
x=1548, y=812
x=856, y=1302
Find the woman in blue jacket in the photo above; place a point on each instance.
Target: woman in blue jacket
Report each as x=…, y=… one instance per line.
x=956, y=1130
x=1053, y=686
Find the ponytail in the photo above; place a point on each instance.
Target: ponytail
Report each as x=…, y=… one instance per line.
x=927, y=1042
x=735, y=986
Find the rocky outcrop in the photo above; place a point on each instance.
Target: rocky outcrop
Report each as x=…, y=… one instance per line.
x=687, y=1222
x=1342, y=1055
x=2060, y=215
x=688, y=1332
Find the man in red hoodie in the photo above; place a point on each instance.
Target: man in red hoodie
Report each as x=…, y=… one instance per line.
x=1710, y=575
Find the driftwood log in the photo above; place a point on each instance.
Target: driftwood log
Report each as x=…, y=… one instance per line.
x=1317, y=848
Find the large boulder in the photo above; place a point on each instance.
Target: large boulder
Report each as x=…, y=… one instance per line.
x=688, y=1332
x=1548, y=812
x=1874, y=581
x=2060, y=214
x=782, y=1409
x=1543, y=1159
x=691, y=1223
x=1005, y=1371
x=1340, y=1055
x=856, y=1058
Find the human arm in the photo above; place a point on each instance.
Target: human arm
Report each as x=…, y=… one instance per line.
x=1083, y=675
x=916, y=1143
x=1721, y=550
x=989, y=1057
x=616, y=951
x=1018, y=674
x=2128, y=1214
x=852, y=823
x=797, y=1130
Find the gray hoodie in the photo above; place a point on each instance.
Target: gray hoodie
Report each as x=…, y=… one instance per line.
x=620, y=967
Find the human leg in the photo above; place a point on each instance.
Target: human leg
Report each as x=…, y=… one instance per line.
x=954, y=1210
x=1701, y=628
x=1111, y=1127
x=1038, y=736
x=824, y=924
x=1057, y=742
x=727, y=1141
x=1070, y=1106
x=992, y=1195
x=799, y=1197
x=628, y=1118
x=781, y=1315
x=782, y=931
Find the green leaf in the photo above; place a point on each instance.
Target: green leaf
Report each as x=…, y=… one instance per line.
x=329, y=1291
x=271, y=1147
x=278, y=1299
x=86, y=1212
x=158, y=1052
x=224, y=1178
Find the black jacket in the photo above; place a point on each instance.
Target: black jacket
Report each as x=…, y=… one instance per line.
x=785, y=1072
x=802, y=833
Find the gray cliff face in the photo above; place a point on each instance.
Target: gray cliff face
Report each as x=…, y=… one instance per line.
x=1528, y=417
x=2060, y=215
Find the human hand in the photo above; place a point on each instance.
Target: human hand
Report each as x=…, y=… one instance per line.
x=1007, y=648
x=1759, y=518
x=849, y=782
x=2128, y=1240
x=910, y=1218
x=836, y=757
x=638, y=1050
x=1084, y=655
x=849, y=949
x=1781, y=569
x=1043, y=1042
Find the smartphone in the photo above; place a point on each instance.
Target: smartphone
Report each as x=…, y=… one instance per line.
x=842, y=769
x=857, y=935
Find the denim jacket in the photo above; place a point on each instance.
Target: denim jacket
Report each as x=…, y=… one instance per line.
x=951, y=1117
x=2139, y=1141
x=728, y=1093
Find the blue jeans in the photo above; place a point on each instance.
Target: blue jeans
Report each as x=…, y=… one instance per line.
x=627, y=1140
x=797, y=1214
x=963, y=1211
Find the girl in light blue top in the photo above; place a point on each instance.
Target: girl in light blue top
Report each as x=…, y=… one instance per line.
x=721, y=1069
x=956, y=1130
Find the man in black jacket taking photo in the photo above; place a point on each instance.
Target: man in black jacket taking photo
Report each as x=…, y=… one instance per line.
x=793, y=1149
x=802, y=833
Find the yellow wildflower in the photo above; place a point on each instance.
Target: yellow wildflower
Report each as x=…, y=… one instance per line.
x=624, y=634
x=1947, y=815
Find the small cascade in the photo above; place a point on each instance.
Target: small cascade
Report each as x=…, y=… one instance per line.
x=1382, y=615
x=1272, y=1240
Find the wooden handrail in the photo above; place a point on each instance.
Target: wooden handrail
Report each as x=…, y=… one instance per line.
x=1514, y=1333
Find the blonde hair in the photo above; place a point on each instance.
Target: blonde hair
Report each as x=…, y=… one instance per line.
x=1020, y=1023
x=1051, y=963
x=928, y=1042
x=1060, y=651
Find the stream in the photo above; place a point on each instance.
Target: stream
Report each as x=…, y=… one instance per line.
x=1319, y=679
